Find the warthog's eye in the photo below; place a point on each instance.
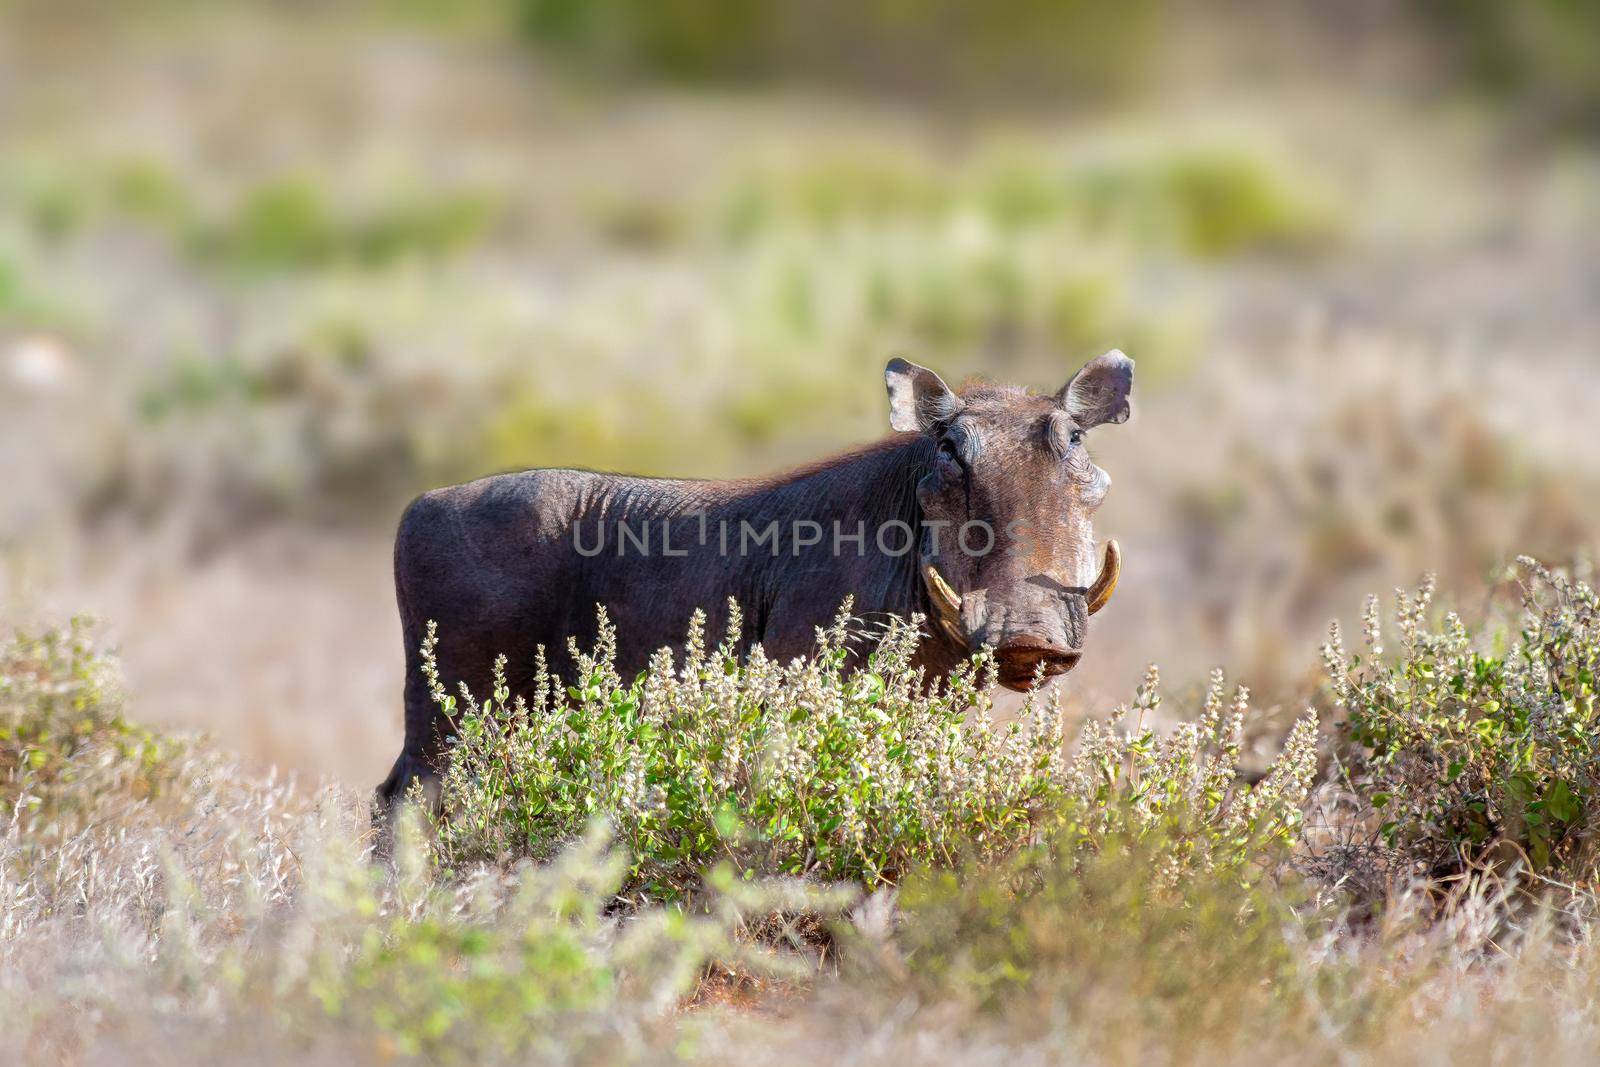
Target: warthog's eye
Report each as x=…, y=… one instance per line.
x=1075, y=437
x=949, y=461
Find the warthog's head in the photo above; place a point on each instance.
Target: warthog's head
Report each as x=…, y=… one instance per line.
x=1007, y=547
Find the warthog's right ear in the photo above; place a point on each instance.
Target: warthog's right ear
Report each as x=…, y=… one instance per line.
x=1099, y=391
x=918, y=398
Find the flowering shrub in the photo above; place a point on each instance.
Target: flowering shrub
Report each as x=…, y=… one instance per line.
x=1144, y=912
x=810, y=769
x=1470, y=750
x=59, y=712
x=1184, y=791
x=802, y=768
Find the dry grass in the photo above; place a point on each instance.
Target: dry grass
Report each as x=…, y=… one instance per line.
x=164, y=910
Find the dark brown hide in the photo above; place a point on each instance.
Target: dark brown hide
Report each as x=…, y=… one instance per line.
x=991, y=487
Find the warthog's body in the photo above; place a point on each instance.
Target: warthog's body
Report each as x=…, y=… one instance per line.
x=517, y=561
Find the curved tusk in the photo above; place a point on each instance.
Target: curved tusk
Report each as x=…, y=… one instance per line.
x=946, y=602
x=1105, y=582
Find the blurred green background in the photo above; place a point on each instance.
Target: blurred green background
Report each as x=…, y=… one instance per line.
x=267, y=269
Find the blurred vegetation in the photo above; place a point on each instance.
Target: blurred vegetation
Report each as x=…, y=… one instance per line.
x=938, y=47
x=61, y=720
x=798, y=279
x=1411, y=479
x=1534, y=54
x=1124, y=970
x=1537, y=51
x=284, y=223
x=1210, y=202
x=1540, y=51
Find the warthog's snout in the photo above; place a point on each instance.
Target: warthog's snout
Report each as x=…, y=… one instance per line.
x=1022, y=660
x=1037, y=626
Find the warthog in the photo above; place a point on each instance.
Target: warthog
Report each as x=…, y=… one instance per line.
x=975, y=514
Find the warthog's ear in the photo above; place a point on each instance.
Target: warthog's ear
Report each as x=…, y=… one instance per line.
x=918, y=398
x=1099, y=391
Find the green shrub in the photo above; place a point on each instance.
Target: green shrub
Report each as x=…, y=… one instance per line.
x=1158, y=911
x=1540, y=52
x=59, y=711
x=287, y=223
x=1224, y=204
x=1206, y=202
x=291, y=224
x=295, y=222
x=506, y=963
x=809, y=769
x=1209, y=201
x=799, y=769
x=1468, y=750
x=146, y=189
x=1093, y=951
x=1185, y=790
x=934, y=47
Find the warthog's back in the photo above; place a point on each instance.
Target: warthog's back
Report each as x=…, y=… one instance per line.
x=515, y=561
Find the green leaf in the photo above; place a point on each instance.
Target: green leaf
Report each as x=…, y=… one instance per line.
x=1560, y=802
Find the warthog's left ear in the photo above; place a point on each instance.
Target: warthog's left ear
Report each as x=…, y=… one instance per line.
x=918, y=398
x=1099, y=391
